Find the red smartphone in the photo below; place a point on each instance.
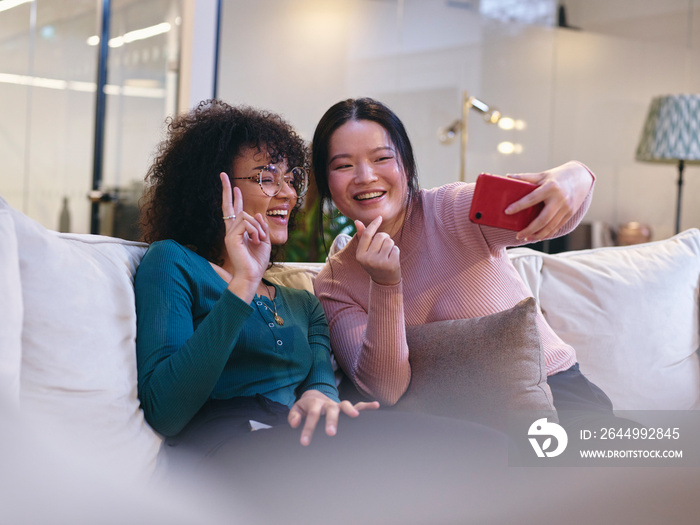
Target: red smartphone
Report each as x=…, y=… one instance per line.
x=493, y=194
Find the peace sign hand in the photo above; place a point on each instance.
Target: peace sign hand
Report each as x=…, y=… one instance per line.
x=247, y=238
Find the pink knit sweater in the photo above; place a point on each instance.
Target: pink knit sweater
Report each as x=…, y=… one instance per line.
x=450, y=269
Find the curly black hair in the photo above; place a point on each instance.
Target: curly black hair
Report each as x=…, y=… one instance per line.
x=182, y=199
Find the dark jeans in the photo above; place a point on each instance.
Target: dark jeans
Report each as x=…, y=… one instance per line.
x=580, y=403
x=572, y=391
x=219, y=424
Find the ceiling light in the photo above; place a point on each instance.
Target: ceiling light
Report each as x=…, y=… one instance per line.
x=506, y=123
x=132, y=36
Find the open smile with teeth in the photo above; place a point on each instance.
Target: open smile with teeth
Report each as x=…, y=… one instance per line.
x=279, y=213
x=367, y=196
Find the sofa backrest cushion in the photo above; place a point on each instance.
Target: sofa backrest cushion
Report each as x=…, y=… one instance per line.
x=11, y=312
x=528, y=263
x=78, y=368
x=633, y=316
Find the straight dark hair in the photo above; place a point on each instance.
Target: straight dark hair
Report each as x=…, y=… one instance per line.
x=360, y=109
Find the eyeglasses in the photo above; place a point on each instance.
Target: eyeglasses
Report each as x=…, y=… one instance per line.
x=271, y=177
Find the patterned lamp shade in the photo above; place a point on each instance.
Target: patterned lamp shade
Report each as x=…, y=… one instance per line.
x=672, y=134
x=672, y=130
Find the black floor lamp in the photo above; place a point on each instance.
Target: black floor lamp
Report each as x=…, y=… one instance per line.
x=672, y=134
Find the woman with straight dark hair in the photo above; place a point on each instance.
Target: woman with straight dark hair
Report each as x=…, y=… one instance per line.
x=416, y=257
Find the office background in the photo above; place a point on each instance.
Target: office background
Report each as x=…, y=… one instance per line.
x=574, y=78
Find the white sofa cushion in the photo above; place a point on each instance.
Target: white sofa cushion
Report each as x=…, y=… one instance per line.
x=632, y=314
x=528, y=263
x=10, y=313
x=78, y=371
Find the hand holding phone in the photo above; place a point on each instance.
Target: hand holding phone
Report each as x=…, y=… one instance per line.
x=493, y=194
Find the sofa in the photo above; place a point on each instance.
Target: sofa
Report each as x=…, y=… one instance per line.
x=68, y=330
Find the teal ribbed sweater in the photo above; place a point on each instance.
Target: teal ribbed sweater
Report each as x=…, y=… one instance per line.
x=196, y=340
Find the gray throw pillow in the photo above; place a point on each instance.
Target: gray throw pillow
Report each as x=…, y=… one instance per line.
x=482, y=369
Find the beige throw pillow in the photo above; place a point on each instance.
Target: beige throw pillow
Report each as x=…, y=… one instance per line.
x=294, y=275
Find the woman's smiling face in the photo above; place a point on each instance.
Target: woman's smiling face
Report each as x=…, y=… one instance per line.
x=365, y=176
x=277, y=209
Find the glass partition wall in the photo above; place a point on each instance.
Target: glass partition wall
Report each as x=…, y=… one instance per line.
x=141, y=92
x=48, y=77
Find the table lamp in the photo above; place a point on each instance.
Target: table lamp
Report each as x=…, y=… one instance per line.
x=672, y=134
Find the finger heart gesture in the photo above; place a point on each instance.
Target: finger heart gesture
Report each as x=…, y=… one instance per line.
x=377, y=253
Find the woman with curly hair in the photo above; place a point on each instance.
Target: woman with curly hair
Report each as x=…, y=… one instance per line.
x=219, y=348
